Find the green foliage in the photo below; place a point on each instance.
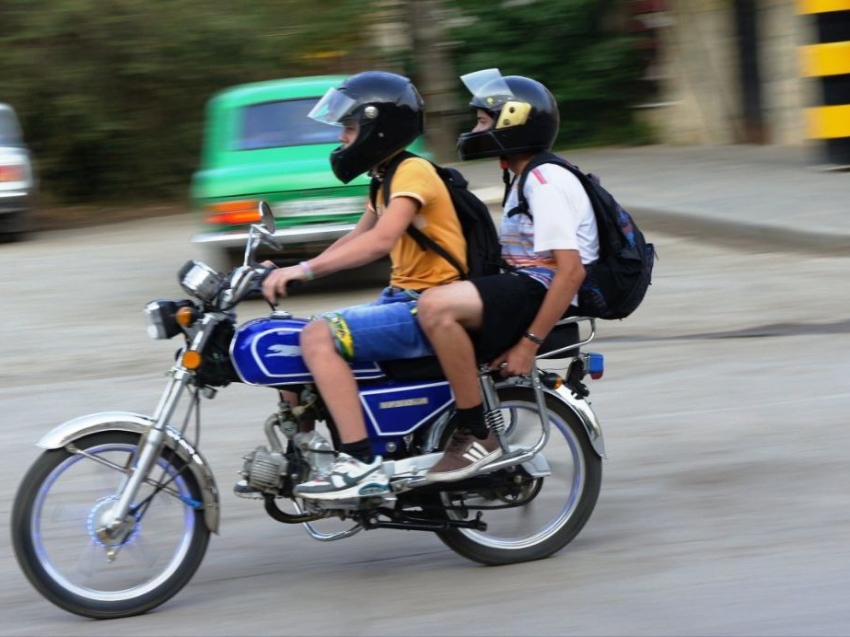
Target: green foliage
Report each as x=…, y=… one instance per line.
x=111, y=93
x=593, y=70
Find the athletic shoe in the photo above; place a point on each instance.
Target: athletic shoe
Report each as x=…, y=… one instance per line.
x=347, y=478
x=245, y=490
x=465, y=454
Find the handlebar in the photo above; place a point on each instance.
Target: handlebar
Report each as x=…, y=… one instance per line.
x=256, y=285
x=262, y=273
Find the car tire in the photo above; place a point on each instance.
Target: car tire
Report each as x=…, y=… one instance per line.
x=15, y=227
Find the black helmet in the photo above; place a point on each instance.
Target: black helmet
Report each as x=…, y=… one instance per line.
x=525, y=114
x=388, y=110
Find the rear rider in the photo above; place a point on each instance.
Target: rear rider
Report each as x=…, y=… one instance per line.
x=503, y=319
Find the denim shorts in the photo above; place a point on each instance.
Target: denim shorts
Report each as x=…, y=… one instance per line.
x=385, y=329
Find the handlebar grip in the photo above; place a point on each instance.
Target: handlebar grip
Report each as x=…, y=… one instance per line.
x=257, y=283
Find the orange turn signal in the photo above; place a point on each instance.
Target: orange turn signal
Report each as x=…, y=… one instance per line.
x=552, y=380
x=191, y=359
x=185, y=316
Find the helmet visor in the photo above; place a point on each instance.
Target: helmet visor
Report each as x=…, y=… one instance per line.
x=487, y=87
x=332, y=108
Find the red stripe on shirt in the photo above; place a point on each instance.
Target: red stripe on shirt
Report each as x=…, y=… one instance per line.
x=536, y=172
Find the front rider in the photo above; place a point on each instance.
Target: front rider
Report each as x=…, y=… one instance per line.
x=509, y=314
x=380, y=114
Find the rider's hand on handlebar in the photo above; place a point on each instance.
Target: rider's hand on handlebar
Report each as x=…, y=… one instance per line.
x=280, y=281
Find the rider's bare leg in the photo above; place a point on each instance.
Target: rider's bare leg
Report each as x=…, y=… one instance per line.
x=335, y=382
x=446, y=314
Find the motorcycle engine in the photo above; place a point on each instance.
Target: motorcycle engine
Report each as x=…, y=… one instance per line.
x=264, y=470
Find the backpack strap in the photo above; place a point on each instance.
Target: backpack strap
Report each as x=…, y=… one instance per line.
x=387, y=178
x=423, y=240
x=538, y=160
x=589, y=182
x=506, y=179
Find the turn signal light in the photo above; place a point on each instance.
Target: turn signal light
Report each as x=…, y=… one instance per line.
x=191, y=359
x=186, y=316
x=552, y=380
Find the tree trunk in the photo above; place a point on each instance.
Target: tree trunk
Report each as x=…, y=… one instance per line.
x=434, y=76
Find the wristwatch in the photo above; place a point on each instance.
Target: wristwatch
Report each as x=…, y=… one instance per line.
x=533, y=338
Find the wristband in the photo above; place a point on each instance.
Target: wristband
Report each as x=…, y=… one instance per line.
x=308, y=272
x=533, y=338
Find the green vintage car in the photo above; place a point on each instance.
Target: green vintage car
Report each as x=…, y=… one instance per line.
x=259, y=144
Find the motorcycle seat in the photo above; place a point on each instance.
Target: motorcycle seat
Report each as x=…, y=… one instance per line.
x=428, y=367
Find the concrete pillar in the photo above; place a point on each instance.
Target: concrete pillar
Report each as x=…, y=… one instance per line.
x=828, y=60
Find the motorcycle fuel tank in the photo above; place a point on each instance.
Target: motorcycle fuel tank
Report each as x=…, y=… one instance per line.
x=267, y=351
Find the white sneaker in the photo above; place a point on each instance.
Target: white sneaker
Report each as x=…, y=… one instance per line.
x=347, y=478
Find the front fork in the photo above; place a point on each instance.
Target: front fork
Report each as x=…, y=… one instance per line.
x=150, y=448
x=153, y=440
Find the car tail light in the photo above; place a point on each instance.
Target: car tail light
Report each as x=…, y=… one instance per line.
x=233, y=213
x=12, y=172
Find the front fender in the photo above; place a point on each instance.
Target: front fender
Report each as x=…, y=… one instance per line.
x=83, y=426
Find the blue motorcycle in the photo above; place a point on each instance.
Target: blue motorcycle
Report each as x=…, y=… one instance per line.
x=114, y=517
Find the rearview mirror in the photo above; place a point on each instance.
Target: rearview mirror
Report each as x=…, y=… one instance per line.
x=267, y=217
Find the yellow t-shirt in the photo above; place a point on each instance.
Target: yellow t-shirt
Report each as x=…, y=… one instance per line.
x=412, y=267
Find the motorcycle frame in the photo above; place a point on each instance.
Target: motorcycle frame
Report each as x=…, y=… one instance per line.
x=156, y=432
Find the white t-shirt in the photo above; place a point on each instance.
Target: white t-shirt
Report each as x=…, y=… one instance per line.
x=562, y=220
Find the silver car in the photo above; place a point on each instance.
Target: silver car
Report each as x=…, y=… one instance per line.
x=17, y=179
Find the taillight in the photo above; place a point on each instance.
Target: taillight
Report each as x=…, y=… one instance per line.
x=595, y=365
x=233, y=213
x=12, y=172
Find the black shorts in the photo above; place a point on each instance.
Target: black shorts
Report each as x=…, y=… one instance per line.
x=511, y=301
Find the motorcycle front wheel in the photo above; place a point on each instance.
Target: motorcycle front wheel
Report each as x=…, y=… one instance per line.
x=529, y=518
x=55, y=519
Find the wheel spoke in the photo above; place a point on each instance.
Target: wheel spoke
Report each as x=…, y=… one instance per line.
x=58, y=524
x=548, y=510
x=91, y=552
x=142, y=553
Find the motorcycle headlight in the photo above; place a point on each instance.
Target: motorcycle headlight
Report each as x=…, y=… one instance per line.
x=200, y=280
x=162, y=318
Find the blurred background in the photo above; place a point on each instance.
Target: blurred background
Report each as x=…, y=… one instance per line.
x=724, y=508
x=110, y=94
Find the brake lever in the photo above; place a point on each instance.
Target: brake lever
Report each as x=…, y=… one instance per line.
x=256, y=287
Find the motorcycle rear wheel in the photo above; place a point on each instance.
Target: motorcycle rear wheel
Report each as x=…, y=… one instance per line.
x=54, y=522
x=550, y=510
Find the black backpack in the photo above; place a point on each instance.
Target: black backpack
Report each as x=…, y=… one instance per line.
x=616, y=283
x=483, y=250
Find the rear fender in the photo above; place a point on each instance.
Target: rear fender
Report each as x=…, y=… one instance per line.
x=581, y=408
x=84, y=426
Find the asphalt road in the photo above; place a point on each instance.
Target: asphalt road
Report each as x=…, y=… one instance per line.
x=724, y=508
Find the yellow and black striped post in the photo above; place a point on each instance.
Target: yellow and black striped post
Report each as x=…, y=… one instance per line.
x=829, y=60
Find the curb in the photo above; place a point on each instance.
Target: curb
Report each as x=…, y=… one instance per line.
x=739, y=233
x=724, y=231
